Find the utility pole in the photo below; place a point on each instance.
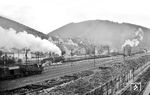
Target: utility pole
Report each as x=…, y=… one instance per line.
x=5, y=59
x=18, y=54
x=13, y=56
x=133, y=74
x=49, y=58
x=38, y=57
x=26, y=55
x=71, y=57
x=124, y=54
x=94, y=56
x=108, y=50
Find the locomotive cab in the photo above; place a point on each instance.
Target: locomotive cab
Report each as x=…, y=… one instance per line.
x=9, y=72
x=14, y=71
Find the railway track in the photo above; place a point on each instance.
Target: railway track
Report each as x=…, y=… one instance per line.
x=32, y=88
x=58, y=71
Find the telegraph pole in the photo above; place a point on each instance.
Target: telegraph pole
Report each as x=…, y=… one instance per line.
x=71, y=57
x=18, y=54
x=49, y=58
x=38, y=58
x=26, y=55
x=94, y=56
x=124, y=54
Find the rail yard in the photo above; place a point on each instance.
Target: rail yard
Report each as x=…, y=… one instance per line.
x=54, y=71
x=59, y=74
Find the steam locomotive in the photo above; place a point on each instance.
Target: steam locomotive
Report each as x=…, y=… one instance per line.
x=10, y=69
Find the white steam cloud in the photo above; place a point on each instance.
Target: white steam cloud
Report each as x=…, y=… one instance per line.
x=10, y=39
x=136, y=40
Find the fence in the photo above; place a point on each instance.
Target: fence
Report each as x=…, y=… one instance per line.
x=117, y=83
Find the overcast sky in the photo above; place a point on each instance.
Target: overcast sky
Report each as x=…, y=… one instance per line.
x=48, y=15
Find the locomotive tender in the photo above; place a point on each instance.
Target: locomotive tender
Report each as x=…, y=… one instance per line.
x=10, y=68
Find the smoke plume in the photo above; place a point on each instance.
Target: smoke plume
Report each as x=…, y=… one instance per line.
x=136, y=40
x=10, y=39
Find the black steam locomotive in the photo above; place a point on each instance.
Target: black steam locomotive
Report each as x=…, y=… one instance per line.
x=10, y=69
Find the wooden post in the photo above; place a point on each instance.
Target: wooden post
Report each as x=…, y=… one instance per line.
x=107, y=88
x=108, y=50
x=71, y=56
x=94, y=56
x=49, y=57
x=26, y=55
x=38, y=57
x=18, y=54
